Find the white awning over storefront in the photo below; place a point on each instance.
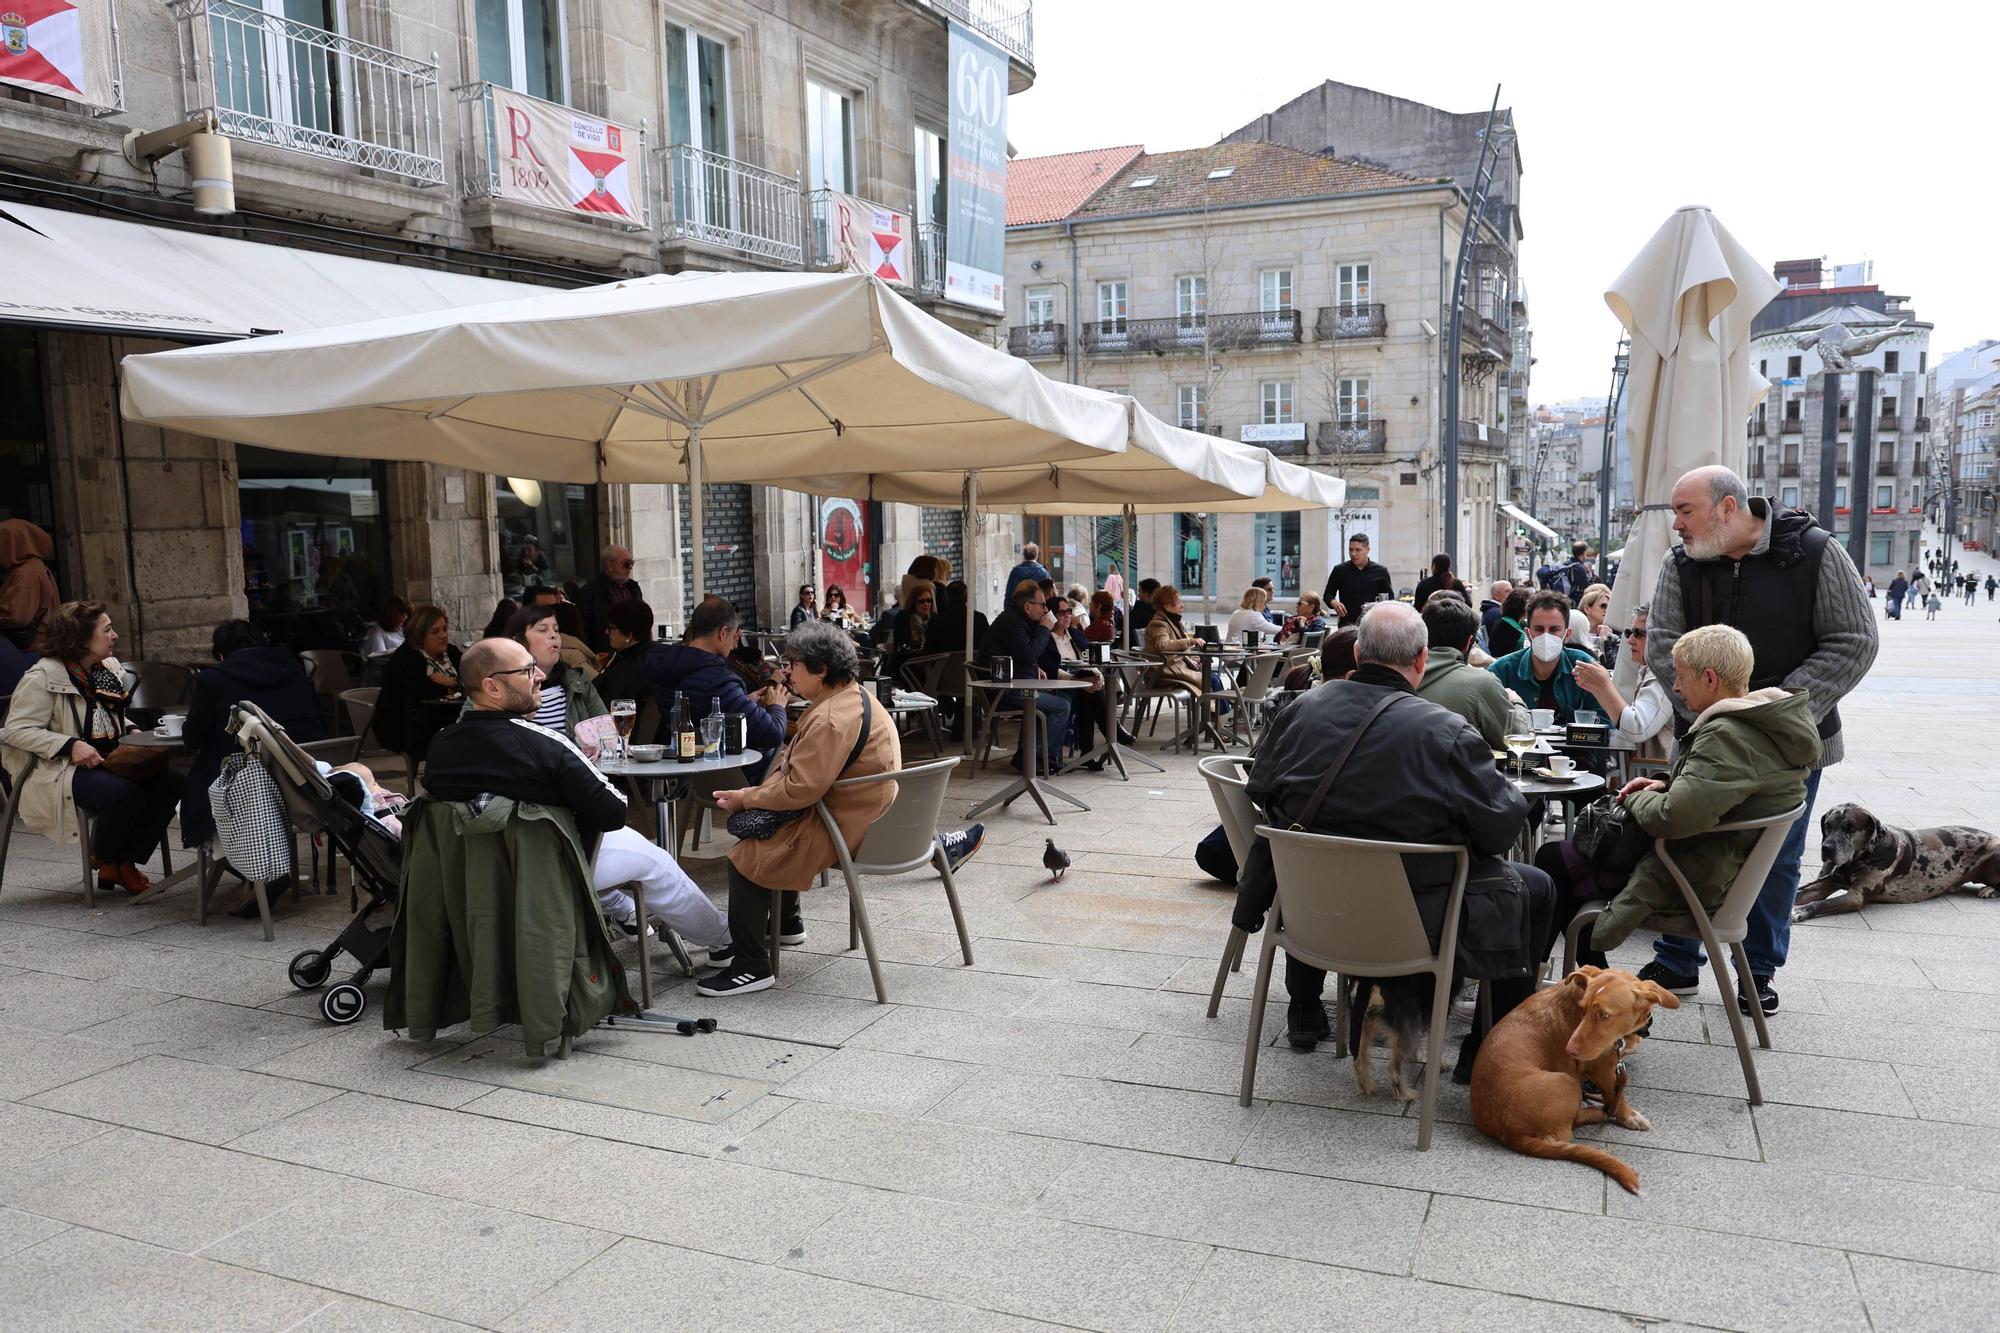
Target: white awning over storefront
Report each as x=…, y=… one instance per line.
x=76, y=271
x=1530, y=522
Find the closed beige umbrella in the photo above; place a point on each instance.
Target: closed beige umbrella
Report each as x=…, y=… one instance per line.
x=1688, y=299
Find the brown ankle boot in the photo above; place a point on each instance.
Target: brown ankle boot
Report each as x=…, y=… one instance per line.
x=133, y=878
x=107, y=874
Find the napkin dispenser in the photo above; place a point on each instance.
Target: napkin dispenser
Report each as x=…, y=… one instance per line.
x=1587, y=733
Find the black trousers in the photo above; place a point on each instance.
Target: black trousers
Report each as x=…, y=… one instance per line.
x=1551, y=861
x=750, y=921
x=128, y=819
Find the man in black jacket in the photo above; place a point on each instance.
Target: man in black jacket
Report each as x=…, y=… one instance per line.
x=614, y=584
x=1418, y=774
x=1357, y=582
x=497, y=748
x=698, y=667
x=1018, y=633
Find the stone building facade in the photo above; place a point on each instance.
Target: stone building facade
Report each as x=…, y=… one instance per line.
x=1281, y=297
x=368, y=129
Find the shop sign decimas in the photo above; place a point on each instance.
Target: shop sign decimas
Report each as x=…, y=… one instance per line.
x=553, y=157
x=61, y=48
x=976, y=168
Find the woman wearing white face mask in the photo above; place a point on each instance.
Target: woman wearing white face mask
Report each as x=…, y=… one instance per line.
x=1543, y=673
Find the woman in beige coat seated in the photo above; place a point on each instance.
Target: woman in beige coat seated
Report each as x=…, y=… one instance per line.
x=826, y=745
x=62, y=749
x=1167, y=639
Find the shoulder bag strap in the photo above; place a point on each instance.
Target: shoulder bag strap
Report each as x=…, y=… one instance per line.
x=867, y=715
x=1340, y=761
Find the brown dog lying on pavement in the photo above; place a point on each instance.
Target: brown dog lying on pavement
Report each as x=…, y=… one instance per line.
x=1527, y=1083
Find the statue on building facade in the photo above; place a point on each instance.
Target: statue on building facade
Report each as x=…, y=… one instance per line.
x=1838, y=348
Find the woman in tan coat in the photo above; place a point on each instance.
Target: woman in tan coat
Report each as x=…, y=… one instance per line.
x=820, y=667
x=1167, y=638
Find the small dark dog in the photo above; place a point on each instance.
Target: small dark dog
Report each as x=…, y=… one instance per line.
x=1863, y=860
x=1393, y=1009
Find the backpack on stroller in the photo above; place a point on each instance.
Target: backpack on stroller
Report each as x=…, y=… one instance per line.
x=316, y=804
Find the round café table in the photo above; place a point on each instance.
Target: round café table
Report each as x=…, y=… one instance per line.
x=1034, y=737
x=665, y=782
x=153, y=740
x=1117, y=674
x=1583, y=787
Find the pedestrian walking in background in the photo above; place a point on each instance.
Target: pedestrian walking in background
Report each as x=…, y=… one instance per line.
x=1897, y=587
x=1934, y=605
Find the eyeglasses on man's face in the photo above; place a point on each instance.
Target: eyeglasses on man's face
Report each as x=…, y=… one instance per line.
x=529, y=670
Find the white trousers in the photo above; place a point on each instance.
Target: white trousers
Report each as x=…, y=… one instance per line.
x=625, y=857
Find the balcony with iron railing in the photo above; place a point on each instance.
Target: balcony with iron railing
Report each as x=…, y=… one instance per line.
x=1362, y=320
x=1193, y=334
x=1038, y=340
x=1922, y=424
x=488, y=175
x=1791, y=426
x=1008, y=24
x=273, y=80
x=1757, y=426
x=1885, y=467
x=1888, y=423
x=1351, y=435
x=1790, y=469
x=712, y=200
x=1479, y=435
x=930, y=258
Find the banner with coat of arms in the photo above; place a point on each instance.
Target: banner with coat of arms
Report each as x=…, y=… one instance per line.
x=64, y=48
x=553, y=157
x=864, y=236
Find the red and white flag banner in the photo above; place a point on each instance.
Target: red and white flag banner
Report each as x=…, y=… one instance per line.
x=868, y=238
x=63, y=48
x=553, y=157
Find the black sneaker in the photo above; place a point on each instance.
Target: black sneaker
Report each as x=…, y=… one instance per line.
x=1306, y=1024
x=1679, y=983
x=722, y=955
x=792, y=931
x=631, y=928
x=730, y=982
x=959, y=846
x=1765, y=994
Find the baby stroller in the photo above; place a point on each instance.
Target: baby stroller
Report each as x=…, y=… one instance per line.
x=316, y=804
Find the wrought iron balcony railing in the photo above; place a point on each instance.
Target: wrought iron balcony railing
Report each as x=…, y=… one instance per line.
x=1036, y=340
x=1351, y=436
x=930, y=258
x=1366, y=320
x=1192, y=334
x=716, y=200
x=1792, y=426
x=273, y=80
x=1885, y=467
x=1009, y=24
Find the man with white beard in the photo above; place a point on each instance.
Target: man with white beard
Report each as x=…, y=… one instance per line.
x=1790, y=588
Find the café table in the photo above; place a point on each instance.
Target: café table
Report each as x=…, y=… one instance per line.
x=1583, y=787
x=1117, y=672
x=1618, y=750
x=924, y=708
x=1033, y=738
x=153, y=740
x=665, y=782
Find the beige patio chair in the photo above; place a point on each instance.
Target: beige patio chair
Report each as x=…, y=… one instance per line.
x=1730, y=924
x=1344, y=904
x=903, y=839
x=1228, y=785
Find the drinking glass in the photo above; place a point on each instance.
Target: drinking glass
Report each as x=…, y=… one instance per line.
x=711, y=736
x=1518, y=745
x=624, y=716
x=1003, y=668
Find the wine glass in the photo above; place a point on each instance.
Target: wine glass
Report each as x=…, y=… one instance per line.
x=1518, y=744
x=624, y=716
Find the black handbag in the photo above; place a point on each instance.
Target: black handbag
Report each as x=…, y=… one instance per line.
x=1609, y=838
x=751, y=825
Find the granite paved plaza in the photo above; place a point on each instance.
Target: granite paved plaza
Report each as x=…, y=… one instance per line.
x=1050, y=1138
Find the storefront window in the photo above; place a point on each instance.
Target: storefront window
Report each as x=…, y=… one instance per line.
x=26, y=490
x=1275, y=551
x=548, y=533
x=315, y=545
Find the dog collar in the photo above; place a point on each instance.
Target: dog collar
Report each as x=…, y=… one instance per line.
x=1643, y=1030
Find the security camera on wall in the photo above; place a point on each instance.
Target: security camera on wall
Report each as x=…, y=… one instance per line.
x=1426, y=326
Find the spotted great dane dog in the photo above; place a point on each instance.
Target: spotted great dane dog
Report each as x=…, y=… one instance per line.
x=1863, y=860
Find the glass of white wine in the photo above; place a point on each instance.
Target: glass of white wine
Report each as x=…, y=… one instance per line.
x=1518, y=744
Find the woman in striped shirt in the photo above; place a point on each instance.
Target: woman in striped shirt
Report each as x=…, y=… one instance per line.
x=567, y=696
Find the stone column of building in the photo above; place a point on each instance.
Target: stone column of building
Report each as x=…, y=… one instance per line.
x=444, y=541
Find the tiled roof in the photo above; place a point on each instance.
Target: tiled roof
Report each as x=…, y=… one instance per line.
x=1258, y=172
x=1049, y=189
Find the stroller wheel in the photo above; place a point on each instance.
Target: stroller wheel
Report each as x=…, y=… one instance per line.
x=343, y=1004
x=310, y=970
x=685, y=1028
x=705, y=1024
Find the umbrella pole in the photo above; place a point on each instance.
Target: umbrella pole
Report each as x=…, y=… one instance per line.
x=1131, y=568
x=968, y=537
x=695, y=526
x=1207, y=563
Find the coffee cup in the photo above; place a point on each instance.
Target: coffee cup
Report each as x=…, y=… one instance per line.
x=1561, y=765
x=1543, y=718
x=171, y=724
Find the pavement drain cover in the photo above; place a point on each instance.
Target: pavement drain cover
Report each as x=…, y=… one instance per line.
x=592, y=1074
x=730, y=1054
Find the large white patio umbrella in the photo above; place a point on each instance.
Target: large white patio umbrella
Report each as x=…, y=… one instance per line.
x=728, y=377
x=1688, y=298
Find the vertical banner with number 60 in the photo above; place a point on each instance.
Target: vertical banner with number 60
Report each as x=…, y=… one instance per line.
x=976, y=191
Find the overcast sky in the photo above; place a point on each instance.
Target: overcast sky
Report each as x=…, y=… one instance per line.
x=1736, y=106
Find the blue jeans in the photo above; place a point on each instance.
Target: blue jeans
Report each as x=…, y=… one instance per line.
x=1770, y=938
x=1054, y=708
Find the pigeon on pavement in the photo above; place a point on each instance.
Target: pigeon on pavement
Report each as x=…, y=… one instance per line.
x=1055, y=859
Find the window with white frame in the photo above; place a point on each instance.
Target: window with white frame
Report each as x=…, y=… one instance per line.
x=1885, y=495
x=1789, y=497
x=1111, y=307
x=260, y=71
x=1040, y=307
x=1881, y=547
x=1840, y=497
x=697, y=90
x=1354, y=285
x=1191, y=299
x=1274, y=290
x=930, y=148
x=829, y=139
x=1888, y=454
x=1191, y=407
x=1352, y=402
x=521, y=46
x=1274, y=399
